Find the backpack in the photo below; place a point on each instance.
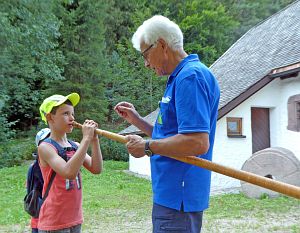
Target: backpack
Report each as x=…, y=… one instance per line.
x=33, y=199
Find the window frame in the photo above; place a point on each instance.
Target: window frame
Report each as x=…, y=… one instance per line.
x=238, y=133
x=293, y=110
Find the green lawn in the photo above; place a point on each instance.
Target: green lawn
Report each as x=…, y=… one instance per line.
x=118, y=202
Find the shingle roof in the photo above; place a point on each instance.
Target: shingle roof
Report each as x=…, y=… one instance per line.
x=273, y=43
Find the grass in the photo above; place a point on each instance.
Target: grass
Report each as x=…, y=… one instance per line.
x=118, y=202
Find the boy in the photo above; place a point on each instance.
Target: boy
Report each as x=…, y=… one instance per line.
x=62, y=209
x=40, y=136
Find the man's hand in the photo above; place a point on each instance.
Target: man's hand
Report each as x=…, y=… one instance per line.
x=127, y=111
x=135, y=146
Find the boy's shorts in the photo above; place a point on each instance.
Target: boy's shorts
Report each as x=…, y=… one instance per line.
x=74, y=229
x=169, y=220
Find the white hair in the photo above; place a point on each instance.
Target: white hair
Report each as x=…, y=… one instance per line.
x=158, y=27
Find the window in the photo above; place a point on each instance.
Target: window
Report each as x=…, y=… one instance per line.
x=234, y=127
x=294, y=113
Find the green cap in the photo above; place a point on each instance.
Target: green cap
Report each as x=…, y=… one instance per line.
x=56, y=100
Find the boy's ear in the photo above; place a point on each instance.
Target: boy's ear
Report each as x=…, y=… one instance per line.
x=48, y=117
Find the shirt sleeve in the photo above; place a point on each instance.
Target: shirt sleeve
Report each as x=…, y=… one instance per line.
x=192, y=105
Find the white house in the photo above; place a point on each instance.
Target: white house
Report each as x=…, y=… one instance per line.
x=259, y=77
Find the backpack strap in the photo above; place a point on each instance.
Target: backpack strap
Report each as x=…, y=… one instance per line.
x=34, y=175
x=73, y=144
x=30, y=176
x=49, y=185
x=62, y=153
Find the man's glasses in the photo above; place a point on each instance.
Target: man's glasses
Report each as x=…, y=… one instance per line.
x=145, y=51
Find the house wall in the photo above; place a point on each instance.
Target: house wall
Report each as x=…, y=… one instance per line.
x=140, y=166
x=233, y=152
x=287, y=138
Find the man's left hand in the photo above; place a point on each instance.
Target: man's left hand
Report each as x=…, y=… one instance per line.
x=135, y=146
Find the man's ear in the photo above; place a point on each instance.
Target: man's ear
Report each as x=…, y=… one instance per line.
x=163, y=44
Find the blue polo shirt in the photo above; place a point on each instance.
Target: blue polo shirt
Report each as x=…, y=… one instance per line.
x=189, y=105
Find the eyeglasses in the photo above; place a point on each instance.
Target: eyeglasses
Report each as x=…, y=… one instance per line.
x=145, y=51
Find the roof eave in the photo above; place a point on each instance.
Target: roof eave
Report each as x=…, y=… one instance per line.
x=281, y=72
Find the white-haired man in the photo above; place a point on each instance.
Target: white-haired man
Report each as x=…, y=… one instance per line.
x=185, y=126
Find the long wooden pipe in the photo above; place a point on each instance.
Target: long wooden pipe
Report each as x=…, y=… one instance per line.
x=277, y=186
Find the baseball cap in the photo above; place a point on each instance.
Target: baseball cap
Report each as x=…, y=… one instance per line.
x=41, y=135
x=56, y=100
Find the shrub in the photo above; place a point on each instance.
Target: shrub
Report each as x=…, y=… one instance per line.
x=112, y=150
x=14, y=152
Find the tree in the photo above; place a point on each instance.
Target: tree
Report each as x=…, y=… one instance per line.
x=249, y=12
x=83, y=44
x=128, y=78
x=29, y=58
x=206, y=27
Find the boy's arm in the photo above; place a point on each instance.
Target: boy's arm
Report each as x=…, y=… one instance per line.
x=95, y=163
x=68, y=170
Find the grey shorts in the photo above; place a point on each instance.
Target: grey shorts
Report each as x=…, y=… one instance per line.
x=74, y=229
x=166, y=220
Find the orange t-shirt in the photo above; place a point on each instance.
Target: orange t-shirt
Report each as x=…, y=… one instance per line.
x=63, y=206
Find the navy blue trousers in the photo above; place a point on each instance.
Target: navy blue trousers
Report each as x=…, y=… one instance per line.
x=166, y=220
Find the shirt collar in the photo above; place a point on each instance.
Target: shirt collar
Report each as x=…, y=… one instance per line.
x=183, y=62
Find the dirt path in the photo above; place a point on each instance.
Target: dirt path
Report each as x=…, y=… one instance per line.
x=280, y=223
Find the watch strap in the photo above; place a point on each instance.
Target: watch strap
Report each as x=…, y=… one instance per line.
x=147, y=148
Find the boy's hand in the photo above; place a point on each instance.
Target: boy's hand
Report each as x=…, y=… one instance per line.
x=88, y=130
x=95, y=138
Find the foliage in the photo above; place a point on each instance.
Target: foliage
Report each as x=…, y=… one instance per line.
x=128, y=79
x=140, y=86
x=82, y=43
x=113, y=151
x=6, y=132
x=206, y=26
x=14, y=152
x=250, y=13
x=29, y=33
x=119, y=23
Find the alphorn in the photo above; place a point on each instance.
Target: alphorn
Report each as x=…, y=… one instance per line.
x=277, y=186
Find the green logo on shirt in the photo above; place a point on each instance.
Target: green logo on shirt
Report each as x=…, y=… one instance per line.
x=159, y=119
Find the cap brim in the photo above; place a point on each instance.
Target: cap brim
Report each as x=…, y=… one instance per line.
x=73, y=97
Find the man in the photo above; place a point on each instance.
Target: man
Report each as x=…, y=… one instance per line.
x=185, y=126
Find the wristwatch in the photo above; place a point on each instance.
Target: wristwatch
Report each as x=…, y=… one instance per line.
x=148, y=151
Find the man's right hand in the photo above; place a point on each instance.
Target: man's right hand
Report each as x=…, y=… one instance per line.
x=127, y=111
